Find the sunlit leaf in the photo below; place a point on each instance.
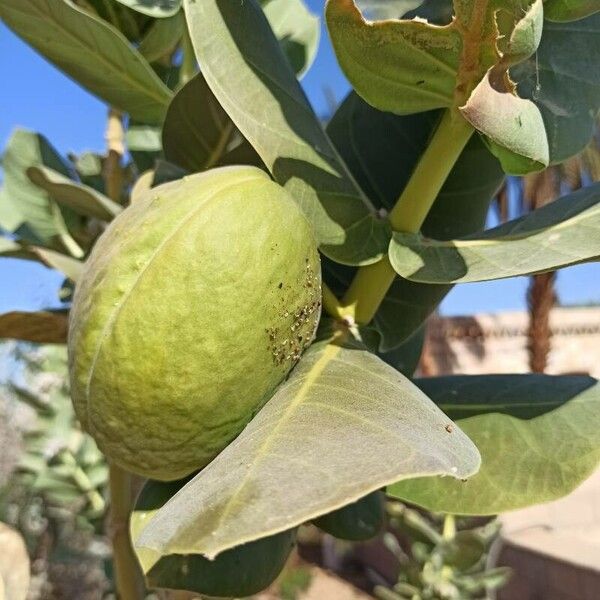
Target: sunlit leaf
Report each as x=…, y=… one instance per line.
x=295, y=454
x=45, y=327
x=297, y=30
x=539, y=438
x=24, y=207
x=409, y=66
x=70, y=267
x=92, y=52
x=376, y=10
x=559, y=234
x=241, y=571
x=245, y=68
x=78, y=197
x=154, y=8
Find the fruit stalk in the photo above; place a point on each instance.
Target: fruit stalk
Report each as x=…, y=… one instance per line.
x=372, y=282
x=127, y=574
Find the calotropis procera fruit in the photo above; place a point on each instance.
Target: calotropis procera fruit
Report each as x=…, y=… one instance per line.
x=193, y=306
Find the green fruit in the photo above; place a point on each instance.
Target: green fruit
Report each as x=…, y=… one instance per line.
x=359, y=521
x=193, y=306
x=241, y=571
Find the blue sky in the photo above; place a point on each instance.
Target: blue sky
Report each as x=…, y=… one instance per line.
x=37, y=96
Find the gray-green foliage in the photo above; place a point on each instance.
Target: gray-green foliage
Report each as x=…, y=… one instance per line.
x=58, y=464
x=345, y=423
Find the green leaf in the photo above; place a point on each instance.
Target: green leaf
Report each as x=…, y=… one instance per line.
x=563, y=80
x=378, y=10
x=24, y=207
x=246, y=70
x=350, y=394
x=145, y=145
x=539, y=438
x=78, y=197
x=159, y=9
x=362, y=520
x=197, y=131
x=570, y=10
x=297, y=30
x=397, y=66
x=70, y=267
x=381, y=150
x=241, y=571
x=559, y=234
x=44, y=327
x=408, y=66
x=92, y=52
x=514, y=126
x=162, y=37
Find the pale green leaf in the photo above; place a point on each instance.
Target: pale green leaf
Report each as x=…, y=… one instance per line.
x=24, y=207
x=68, y=266
x=374, y=427
x=246, y=70
x=570, y=10
x=539, y=438
x=159, y=9
x=44, y=327
x=515, y=127
x=80, y=198
x=162, y=37
x=559, y=234
x=408, y=66
x=563, y=80
x=297, y=30
x=377, y=10
x=397, y=66
x=144, y=144
x=254, y=566
x=92, y=52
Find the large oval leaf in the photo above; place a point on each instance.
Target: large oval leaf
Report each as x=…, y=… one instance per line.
x=563, y=80
x=241, y=571
x=197, y=131
x=92, y=52
x=24, y=207
x=343, y=425
x=397, y=66
x=382, y=150
x=539, y=438
x=562, y=233
x=80, y=198
x=244, y=66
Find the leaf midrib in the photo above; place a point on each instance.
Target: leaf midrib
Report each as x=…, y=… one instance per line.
x=106, y=61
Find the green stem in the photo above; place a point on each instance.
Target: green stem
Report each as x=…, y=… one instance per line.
x=371, y=283
x=449, y=532
x=331, y=305
x=127, y=573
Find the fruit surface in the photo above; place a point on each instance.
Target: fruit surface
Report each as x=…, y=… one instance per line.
x=193, y=306
x=238, y=572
